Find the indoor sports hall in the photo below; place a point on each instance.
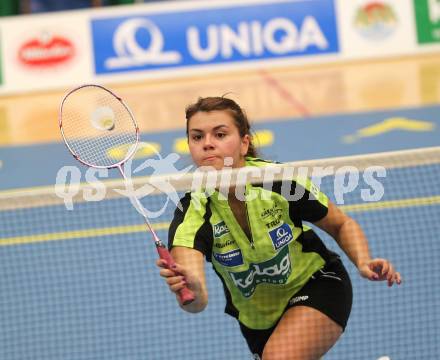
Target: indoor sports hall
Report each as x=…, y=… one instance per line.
x=350, y=88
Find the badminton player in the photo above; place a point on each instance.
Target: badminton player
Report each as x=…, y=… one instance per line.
x=291, y=295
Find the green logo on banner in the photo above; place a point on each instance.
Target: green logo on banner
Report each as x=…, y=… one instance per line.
x=428, y=20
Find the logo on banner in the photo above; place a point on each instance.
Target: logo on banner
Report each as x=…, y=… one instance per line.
x=428, y=21
x=211, y=36
x=230, y=259
x=375, y=20
x=281, y=236
x=130, y=53
x=46, y=50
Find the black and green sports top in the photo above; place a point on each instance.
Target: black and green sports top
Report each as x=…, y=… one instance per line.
x=259, y=274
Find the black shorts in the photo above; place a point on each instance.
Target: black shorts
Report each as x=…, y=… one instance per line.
x=329, y=291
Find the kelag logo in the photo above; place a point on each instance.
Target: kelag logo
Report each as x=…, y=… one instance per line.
x=220, y=229
x=274, y=271
x=214, y=36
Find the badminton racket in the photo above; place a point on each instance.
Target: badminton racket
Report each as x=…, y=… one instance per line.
x=93, y=120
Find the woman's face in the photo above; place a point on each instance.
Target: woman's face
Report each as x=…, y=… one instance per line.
x=213, y=136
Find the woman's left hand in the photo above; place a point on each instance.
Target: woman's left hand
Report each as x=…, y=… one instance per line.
x=379, y=270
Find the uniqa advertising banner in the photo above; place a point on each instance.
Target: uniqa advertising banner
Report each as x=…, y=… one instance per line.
x=190, y=38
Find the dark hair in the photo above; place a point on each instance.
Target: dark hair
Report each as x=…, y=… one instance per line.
x=208, y=104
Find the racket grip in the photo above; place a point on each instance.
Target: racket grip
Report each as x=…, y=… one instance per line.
x=186, y=296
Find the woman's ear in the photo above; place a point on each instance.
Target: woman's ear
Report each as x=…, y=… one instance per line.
x=245, y=141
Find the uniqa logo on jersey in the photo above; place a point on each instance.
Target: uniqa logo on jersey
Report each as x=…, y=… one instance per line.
x=273, y=271
x=281, y=236
x=214, y=35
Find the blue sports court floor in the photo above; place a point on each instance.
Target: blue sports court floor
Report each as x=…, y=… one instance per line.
x=82, y=284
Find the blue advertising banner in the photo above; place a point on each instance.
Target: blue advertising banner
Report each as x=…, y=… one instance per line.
x=214, y=36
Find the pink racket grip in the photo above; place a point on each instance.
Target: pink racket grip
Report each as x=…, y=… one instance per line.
x=186, y=296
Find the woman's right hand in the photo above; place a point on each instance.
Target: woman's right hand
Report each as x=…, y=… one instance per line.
x=189, y=271
x=178, y=277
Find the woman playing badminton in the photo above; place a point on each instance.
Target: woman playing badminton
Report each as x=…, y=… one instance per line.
x=291, y=295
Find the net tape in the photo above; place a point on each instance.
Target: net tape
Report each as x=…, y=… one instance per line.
x=48, y=196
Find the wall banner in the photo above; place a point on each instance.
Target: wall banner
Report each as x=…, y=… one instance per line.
x=427, y=13
x=211, y=36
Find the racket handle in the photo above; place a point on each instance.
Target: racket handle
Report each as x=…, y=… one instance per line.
x=186, y=296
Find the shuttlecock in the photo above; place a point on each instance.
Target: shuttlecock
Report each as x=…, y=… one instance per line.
x=103, y=118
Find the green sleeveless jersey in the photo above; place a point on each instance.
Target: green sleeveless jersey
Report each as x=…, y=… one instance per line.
x=262, y=270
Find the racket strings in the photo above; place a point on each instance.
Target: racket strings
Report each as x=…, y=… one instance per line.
x=97, y=126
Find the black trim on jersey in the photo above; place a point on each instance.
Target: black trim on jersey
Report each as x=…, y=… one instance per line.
x=311, y=242
x=204, y=236
x=230, y=309
x=178, y=217
x=266, y=161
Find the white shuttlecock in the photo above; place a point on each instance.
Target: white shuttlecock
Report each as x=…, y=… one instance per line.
x=103, y=118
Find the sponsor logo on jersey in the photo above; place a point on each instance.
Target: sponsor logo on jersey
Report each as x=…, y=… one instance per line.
x=273, y=271
x=231, y=258
x=220, y=229
x=281, y=236
x=274, y=213
x=221, y=245
x=272, y=216
x=273, y=223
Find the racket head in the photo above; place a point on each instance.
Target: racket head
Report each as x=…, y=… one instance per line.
x=97, y=127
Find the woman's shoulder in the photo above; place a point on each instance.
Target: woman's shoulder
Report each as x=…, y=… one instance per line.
x=198, y=200
x=255, y=161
